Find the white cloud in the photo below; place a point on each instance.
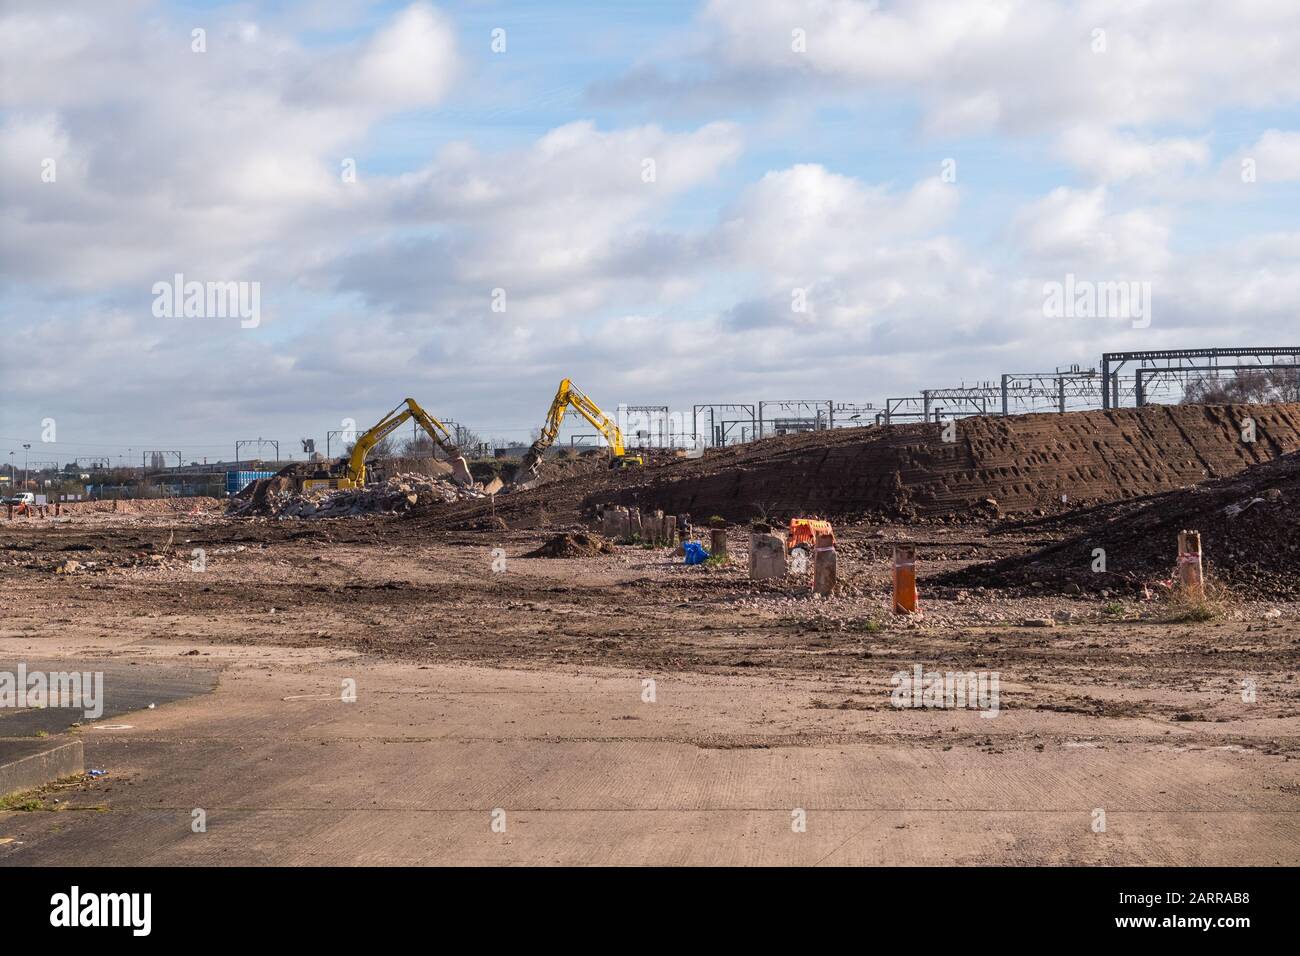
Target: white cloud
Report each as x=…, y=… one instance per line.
x=561, y=226
x=1072, y=230
x=227, y=165
x=171, y=159
x=1109, y=156
x=1017, y=65
x=408, y=63
x=1275, y=156
x=806, y=221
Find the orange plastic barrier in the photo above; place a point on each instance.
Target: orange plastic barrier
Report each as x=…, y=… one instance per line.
x=805, y=531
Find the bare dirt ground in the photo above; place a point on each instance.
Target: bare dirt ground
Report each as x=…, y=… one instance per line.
x=520, y=682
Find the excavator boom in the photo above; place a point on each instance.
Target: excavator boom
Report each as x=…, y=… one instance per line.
x=354, y=475
x=569, y=396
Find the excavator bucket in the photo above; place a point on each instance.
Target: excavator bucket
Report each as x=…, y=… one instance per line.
x=460, y=472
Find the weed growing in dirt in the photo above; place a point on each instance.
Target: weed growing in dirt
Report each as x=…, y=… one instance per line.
x=1184, y=608
x=1193, y=614
x=866, y=625
x=22, y=802
x=1112, y=609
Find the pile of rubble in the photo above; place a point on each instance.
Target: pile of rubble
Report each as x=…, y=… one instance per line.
x=397, y=494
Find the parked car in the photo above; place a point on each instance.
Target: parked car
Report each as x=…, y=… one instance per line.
x=22, y=498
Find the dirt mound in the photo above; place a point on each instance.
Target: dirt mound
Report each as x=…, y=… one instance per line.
x=1250, y=537
x=1015, y=465
x=1022, y=464
x=578, y=545
x=400, y=493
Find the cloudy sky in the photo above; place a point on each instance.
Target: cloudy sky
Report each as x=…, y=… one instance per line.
x=669, y=202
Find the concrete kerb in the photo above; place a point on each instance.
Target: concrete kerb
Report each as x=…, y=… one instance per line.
x=29, y=764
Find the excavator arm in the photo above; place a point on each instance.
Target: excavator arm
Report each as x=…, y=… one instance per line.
x=436, y=430
x=569, y=396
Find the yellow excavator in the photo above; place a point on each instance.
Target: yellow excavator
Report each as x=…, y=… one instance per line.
x=568, y=396
x=350, y=472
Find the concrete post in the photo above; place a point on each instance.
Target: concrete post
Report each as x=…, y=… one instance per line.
x=670, y=530
x=824, y=566
x=718, y=542
x=766, y=556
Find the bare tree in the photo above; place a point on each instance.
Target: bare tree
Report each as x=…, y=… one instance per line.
x=1250, y=386
x=419, y=447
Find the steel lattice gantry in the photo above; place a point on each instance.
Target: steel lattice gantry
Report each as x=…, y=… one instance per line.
x=655, y=418
x=852, y=414
x=1179, y=363
x=820, y=413
x=720, y=428
x=960, y=402
x=908, y=408
x=1062, y=390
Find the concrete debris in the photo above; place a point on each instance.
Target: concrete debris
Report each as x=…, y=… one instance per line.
x=398, y=494
x=766, y=556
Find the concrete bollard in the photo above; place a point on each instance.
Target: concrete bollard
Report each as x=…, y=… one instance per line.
x=824, y=565
x=718, y=542
x=1190, y=574
x=656, y=526
x=766, y=556
x=905, y=600
x=634, y=523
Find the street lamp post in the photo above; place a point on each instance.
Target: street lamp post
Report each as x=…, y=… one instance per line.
x=26, y=447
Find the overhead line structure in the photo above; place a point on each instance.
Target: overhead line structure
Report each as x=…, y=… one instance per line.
x=823, y=411
x=1182, y=362
x=719, y=429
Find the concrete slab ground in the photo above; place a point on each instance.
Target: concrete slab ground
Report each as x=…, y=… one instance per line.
x=126, y=686
x=447, y=764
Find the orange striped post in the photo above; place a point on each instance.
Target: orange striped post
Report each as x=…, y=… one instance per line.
x=905, y=601
x=1190, y=575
